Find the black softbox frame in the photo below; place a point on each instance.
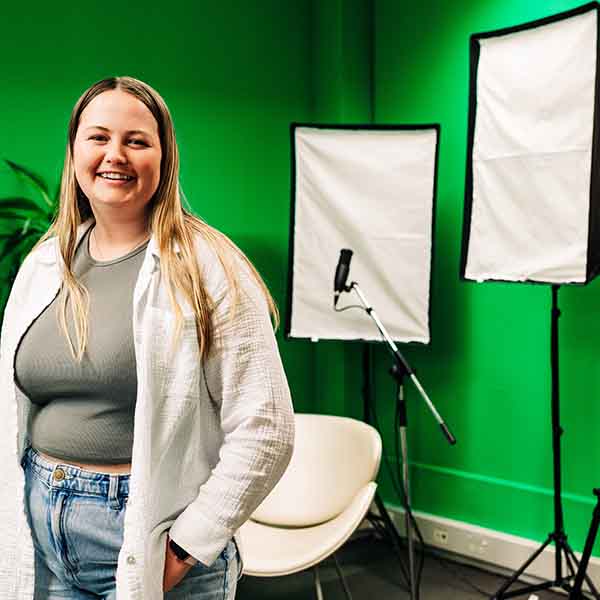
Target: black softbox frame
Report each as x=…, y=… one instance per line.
x=408, y=182
x=592, y=266
x=513, y=171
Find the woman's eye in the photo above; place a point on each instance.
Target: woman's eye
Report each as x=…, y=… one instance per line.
x=102, y=137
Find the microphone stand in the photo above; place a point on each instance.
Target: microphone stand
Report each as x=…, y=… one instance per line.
x=398, y=371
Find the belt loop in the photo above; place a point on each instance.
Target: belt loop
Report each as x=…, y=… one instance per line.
x=113, y=492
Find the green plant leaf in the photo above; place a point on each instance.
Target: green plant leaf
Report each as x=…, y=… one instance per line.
x=4, y=235
x=13, y=216
x=36, y=180
x=20, y=203
x=10, y=245
x=56, y=198
x=23, y=221
x=25, y=227
x=16, y=244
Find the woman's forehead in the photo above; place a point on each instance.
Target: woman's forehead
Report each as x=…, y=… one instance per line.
x=115, y=109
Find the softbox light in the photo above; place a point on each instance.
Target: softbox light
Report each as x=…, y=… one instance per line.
x=532, y=211
x=370, y=189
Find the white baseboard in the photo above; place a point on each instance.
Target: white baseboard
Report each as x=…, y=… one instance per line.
x=489, y=549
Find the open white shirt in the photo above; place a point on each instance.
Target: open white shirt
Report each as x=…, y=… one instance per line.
x=211, y=437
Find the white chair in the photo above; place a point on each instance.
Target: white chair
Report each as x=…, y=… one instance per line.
x=321, y=499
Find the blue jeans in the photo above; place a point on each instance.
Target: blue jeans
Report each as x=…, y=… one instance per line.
x=76, y=520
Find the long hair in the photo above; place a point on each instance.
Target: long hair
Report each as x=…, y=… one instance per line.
x=168, y=221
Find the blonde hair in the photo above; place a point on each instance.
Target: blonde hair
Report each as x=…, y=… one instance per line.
x=168, y=221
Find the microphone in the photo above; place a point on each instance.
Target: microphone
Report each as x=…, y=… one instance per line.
x=341, y=274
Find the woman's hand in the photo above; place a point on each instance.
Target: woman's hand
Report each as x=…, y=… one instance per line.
x=175, y=569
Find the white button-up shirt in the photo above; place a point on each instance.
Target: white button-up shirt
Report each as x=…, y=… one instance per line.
x=211, y=437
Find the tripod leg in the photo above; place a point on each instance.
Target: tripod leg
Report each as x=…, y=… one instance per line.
x=500, y=593
x=318, y=588
x=592, y=588
x=390, y=528
x=586, y=577
x=393, y=533
x=341, y=576
x=587, y=552
x=572, y=564
x=571, y=561
x=402, y=424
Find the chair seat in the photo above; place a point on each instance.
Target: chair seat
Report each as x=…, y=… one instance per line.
x=272, y=551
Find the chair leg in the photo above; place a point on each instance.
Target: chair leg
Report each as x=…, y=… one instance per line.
x=342, y=578
x=318, y=583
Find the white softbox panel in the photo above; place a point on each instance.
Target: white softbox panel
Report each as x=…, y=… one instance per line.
x=370, y=189
x=531, y=194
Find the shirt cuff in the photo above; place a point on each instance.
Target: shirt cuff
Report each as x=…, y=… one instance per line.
x=190, y=560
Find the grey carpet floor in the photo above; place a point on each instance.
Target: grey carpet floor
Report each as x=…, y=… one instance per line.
x=372, y=572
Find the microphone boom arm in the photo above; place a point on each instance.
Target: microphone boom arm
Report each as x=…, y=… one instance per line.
x=402, y=362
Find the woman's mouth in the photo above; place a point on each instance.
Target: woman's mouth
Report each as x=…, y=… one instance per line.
x=116, y=178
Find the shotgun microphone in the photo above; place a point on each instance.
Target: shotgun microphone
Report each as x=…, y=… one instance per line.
x=341, y=274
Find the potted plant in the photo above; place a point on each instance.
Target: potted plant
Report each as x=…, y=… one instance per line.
x=23, y=221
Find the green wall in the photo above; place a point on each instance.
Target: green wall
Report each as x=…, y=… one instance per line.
x=341, y=77
x=488, y=366
x=233, y=74
x=234, y=77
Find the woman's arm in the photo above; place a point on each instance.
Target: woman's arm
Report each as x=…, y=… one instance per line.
x=245, y=378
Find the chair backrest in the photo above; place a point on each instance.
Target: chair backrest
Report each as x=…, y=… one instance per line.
x=333, y=458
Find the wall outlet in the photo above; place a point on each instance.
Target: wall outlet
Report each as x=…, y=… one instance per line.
x=440, y=536
x=486, y=548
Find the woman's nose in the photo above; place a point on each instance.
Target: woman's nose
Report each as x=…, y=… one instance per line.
x=115, y=153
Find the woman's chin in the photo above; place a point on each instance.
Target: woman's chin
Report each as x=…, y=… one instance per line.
x=110, y=200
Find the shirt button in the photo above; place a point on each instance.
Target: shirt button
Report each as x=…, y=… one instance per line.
x=59, y=474
x=131, y=560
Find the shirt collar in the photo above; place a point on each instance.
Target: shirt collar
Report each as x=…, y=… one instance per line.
x=49, y=251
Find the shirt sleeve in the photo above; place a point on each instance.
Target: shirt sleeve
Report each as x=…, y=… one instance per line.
x=246, y=381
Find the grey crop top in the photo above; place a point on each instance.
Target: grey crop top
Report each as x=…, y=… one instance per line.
x=84, y=411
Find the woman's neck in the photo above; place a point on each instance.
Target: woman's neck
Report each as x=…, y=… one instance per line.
x=107, y=243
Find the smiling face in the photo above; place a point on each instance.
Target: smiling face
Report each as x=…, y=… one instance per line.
x=117, y=136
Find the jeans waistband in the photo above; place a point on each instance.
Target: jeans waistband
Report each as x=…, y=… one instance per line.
x=77, y=479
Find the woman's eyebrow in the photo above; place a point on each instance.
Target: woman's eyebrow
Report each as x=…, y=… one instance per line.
x=127, y=132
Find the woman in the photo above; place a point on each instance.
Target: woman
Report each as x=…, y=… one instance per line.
x=145, y=402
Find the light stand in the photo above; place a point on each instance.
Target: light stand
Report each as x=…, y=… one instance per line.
x=382, y=515
x=576, y=593
x=521, y=224
x=558, y=535
x=401, y=362
x=399, y=370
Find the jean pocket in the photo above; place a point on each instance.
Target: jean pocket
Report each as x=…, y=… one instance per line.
x=92, y=530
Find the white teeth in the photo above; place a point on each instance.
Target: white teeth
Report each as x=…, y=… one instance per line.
x=115, y=176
